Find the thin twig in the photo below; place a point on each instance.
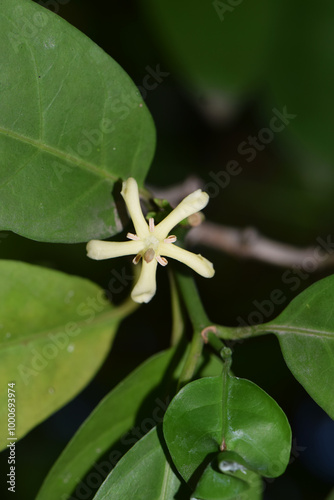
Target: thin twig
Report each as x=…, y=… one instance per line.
x=248, y=243
x=175, y=193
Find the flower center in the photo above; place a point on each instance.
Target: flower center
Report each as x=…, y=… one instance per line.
x=151, y=242
x=149, y=255
x=151, y=246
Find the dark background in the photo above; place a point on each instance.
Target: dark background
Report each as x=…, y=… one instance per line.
x=268, y=56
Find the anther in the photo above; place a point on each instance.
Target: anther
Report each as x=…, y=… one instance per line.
x=170, y=239
x=132, y=236
x=136, y=259
x=162, y=261
x=151, y=224
x=195, y=219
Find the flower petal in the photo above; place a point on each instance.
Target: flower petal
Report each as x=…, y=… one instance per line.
x=191, y=204
x=130, y=194
x=198, y=263
x=146, y=286
x=100, y=250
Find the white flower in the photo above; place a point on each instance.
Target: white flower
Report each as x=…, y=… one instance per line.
x=151, y=242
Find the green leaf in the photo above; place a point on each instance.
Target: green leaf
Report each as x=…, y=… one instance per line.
x=301, y=74
x=330, y=496
x=213, y=45
x=305, y=330
x=228, y=482
x=55, y=332
x=142, y=474
x=72, y=123
x=209, y=365
x=233, y=413
x=115, y=414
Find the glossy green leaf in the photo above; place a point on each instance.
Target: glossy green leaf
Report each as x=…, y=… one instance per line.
x=214, y=485
x=214, y=45
x=55, y=331
x=228, y=478
x=305, y=330
x=235, y=413
x=142, y=474
x=99, y=432
x=72, y=123
x=109, y=422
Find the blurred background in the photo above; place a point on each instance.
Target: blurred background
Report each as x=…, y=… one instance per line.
x=243, y=81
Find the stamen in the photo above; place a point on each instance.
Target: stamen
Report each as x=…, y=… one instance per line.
x=162, y=261
x=170, y=239
x=195, y=219
x=136, y=259
x=149, y=255
x=151, y=224
x=132, y=236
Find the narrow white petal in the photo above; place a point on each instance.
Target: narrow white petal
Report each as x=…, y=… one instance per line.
x=191, y=204
x=130, y=194
x=146, y=286
x=100, y=250
x=198, y=263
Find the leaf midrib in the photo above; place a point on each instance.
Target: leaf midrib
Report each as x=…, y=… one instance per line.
x=284, y=329
x=165, y=481
x=85, y=165
x=106, y=317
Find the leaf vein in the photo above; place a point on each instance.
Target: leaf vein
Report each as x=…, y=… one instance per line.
x=69, y=158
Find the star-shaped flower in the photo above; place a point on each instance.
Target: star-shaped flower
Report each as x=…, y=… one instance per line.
x=152, y=243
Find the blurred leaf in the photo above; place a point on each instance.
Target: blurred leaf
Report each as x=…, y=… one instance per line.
x=72, y=123
x=331, y=496
x=55, y=332
x=232, y=481
x=109, y=421
x=214, y=45
x=210, y=365
x=142, y=474
x=301, y=73
x=209, y=412
x=305, y=330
